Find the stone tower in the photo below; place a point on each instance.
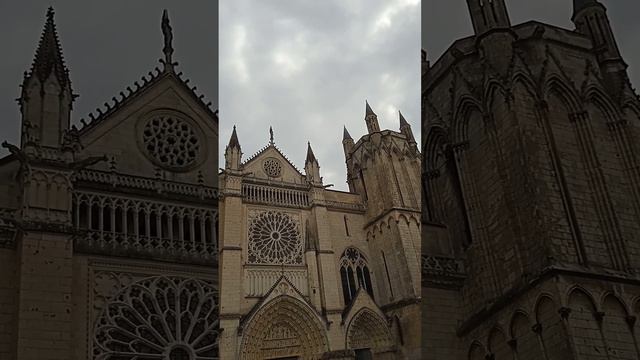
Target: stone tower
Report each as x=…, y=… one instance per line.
x=109, y=230
x=308, y=272
x=383, y=166
x=532, y=192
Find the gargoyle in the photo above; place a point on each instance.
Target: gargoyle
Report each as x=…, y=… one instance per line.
x=15, y=151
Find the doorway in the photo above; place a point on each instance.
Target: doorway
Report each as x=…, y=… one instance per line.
x=364, y=354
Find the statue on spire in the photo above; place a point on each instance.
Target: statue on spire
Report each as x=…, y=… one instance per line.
x=167, y=31
x=271, y=136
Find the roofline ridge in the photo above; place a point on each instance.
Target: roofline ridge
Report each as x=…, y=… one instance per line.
x=147, y=81
x=263, y=149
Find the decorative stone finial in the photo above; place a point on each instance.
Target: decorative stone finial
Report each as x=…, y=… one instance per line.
x=167, y=32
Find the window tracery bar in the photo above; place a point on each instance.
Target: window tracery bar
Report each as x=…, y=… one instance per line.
x=114, y=225
x=354, y=274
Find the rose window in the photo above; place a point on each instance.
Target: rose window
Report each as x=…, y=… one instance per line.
x=272, y=167
x=170, y=141
x=159, y=318
x=274, y=238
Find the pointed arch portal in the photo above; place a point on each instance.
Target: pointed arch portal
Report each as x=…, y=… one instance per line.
x=368, y=330
x=284, y=328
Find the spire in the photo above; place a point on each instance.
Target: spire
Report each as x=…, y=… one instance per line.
x=167, y=32
x=347, y=142
x=310, y=156
x=405, y=129
x=368, y=110
x=48, y=56
x=312, y=167
x=233, y=141
x=46, y=100
x=403, y=121
x=346, y=135
x=233, y=153
x=371, y=119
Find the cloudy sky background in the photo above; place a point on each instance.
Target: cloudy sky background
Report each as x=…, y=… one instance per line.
x=107, y=46
x=444, y=21
x=306, y=67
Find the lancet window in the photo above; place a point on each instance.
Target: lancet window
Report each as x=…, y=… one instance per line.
x=354, y=273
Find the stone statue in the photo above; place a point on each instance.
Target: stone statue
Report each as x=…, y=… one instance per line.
x=167, y=31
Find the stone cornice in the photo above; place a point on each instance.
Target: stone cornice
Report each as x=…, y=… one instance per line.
x=109, y=181
x=156, y=267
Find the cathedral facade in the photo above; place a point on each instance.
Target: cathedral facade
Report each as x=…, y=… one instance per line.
x=312, y=273
x=108, y=231
x=532, y=192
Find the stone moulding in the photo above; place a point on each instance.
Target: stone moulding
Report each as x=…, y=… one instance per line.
x=143, y=183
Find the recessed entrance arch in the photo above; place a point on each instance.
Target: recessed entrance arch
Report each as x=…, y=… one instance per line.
x=367, y=330
x=285, y=328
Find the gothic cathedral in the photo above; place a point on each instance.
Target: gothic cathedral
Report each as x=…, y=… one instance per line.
x=532, y=192
x=312, y=273
x=108, y=232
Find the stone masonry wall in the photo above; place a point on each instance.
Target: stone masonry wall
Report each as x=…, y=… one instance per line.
x=8, y=303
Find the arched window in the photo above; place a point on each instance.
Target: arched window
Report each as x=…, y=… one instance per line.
x=354, y=273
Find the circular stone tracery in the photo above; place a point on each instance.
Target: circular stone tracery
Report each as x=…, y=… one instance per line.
x=274, y=238
x=159, y=318
x=272, y=167
x=170, y=141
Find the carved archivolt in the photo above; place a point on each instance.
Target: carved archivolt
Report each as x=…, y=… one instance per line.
x=164, y=318
x=285, y=327
x=274, y=238
x=368, y=330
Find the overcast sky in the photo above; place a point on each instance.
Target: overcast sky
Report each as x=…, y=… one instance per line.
x=107, y=46
x=306, y=67
x=444, y=21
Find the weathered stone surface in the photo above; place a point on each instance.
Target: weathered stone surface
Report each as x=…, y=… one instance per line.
x=102, y=236
x=532, y=193
x=276, y=303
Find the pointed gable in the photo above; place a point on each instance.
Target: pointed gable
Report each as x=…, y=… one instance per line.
x=361, y=301
x=282, y=287
x=271, y=164
x=125, y=131
x=161, y=126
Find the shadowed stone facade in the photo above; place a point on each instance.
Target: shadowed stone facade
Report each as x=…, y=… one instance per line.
x=108, y=232
x=531, y=235
x=312, y=273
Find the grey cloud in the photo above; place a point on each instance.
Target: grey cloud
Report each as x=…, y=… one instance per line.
x=444, y=21
x=107, y=45
x=306, y=67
